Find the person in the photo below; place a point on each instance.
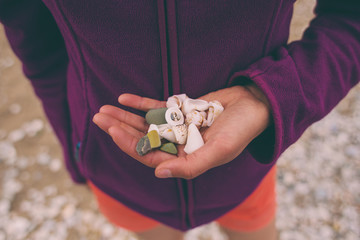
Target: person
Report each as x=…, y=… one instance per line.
x=81, y=55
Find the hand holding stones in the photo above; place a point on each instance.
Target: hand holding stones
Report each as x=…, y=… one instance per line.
x=246, y=115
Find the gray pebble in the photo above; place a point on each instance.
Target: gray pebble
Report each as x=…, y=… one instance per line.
x=156, y=116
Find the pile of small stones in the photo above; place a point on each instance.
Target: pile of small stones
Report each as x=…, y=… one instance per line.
x=178, y=123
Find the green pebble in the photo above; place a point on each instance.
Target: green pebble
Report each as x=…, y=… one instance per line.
x=154, y=139
x=156, y=116
x=169, y=148
x=143, y=146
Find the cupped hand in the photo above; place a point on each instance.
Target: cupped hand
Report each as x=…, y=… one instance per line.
x=246, y=115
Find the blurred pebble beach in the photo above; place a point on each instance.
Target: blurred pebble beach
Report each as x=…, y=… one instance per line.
x=318, y=177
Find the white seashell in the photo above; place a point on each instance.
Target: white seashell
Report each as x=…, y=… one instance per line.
x=176, y=100
x=153, y=127
x=191, y=104
x=182, y=97
x=203, y=114
x=215, y=109
x=195, y=117
x=165, y=131
x=180, y=132
x=204, y=122
x=209, y=118
x=194, y=139
x=174, y=116
x=162, y=127
x=218, y=108
x=173, y=102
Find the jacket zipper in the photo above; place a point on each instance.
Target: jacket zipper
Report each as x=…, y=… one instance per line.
x=171, y=81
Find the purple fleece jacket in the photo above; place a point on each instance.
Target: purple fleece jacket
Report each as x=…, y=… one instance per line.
x=80, y=55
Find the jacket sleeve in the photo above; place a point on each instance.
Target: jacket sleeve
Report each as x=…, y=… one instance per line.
x=36, y=40
x=304, y=80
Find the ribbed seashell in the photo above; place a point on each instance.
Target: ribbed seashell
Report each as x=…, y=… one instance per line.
x=195, y=117
x=194, y=139
x=176, y=100
x=165, y=131
x=174, y=116
x=218, y=107
x=215, y=109
x=210, y=117
x=204, y=114
x=180, y=132
x=191, y=104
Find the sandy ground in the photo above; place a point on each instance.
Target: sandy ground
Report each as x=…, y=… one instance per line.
x=318, y=191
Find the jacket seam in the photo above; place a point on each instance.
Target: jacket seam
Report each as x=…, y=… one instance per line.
x=163, y=47
x=171, y=18
x=271, y=27
x=83, y=71
x=167, y=88
x=174, y=88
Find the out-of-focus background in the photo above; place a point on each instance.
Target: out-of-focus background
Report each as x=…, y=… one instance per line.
x=318, y=177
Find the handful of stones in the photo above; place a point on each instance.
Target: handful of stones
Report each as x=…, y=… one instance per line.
x=178, y=123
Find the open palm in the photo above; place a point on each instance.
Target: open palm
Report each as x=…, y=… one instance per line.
x=246, y=114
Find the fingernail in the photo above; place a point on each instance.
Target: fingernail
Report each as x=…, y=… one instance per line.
x=164, y=173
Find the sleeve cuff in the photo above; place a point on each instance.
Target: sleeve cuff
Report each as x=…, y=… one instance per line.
x=267, y=147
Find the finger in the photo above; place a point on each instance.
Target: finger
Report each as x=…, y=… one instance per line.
x=140, y=103
x=129, y=118
x=105, y=122
x=194, y=164
x=127, y=143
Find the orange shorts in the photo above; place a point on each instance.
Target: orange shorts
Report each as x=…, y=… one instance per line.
x=257, y=211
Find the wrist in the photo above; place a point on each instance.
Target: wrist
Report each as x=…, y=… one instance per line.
x=259, y=94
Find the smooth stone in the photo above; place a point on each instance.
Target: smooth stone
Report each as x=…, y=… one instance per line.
x=169, y=148
x=156, y=116
x=154, y=139
x=143, y=146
